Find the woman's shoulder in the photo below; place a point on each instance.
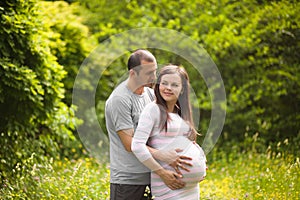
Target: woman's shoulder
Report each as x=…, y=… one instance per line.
x=151, y=110
x=151, y=107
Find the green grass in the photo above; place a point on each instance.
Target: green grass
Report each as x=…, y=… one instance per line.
x=66, y=179
x=247, y=176
x=253, y=176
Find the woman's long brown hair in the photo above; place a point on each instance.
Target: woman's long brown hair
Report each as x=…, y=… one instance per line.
x=183, y=106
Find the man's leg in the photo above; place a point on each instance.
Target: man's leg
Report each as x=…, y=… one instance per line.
x=127, y=192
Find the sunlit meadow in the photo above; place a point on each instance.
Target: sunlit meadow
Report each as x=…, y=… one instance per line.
x=247, y=176
x=253, y=176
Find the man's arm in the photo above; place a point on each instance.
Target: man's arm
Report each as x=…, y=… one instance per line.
x=126, y=138
x=172, y=158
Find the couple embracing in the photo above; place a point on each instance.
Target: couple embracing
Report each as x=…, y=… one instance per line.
x=152, y=135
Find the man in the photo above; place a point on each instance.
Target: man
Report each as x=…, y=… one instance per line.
x=128, y=177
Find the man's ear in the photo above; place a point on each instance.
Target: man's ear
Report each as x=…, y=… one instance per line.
x=132, y=72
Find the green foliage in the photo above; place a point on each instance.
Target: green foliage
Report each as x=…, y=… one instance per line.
x=33, y=119
x=255, y=45
x=69, y=39
x=261, y=51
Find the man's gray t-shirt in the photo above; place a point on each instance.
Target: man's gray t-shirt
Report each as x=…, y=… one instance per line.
x=122, y=111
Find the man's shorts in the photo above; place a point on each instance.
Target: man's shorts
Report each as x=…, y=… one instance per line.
x=129, y=192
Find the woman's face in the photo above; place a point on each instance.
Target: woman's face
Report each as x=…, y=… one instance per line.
x=170, y=87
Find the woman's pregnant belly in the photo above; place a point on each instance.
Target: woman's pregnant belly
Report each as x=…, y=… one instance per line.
x=198, y=170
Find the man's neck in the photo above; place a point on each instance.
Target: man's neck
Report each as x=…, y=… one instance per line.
x=139, y=91
x=132, y=86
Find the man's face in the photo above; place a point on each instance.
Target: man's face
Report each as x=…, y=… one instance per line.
x=147, y=74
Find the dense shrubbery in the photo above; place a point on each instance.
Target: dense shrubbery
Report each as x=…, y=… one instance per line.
x=35, y=123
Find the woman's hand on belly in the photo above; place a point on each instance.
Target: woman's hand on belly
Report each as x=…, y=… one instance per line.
x=170, y=178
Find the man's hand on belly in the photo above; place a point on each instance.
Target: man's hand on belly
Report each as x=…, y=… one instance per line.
x=171, y=157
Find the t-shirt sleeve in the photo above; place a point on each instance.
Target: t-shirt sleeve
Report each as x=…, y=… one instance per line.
x=121, y=113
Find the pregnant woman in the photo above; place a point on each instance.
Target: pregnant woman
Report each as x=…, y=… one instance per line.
x=167, y=124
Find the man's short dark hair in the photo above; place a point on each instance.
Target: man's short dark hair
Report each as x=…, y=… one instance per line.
x=136, y=58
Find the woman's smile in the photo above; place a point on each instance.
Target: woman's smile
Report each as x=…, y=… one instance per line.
x=168, y=93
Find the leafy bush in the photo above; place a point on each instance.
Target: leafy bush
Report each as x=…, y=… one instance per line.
x=68, y=39
x=257, y=58
x=34, y=122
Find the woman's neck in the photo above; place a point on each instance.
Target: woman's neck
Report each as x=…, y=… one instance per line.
x=170, y=106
